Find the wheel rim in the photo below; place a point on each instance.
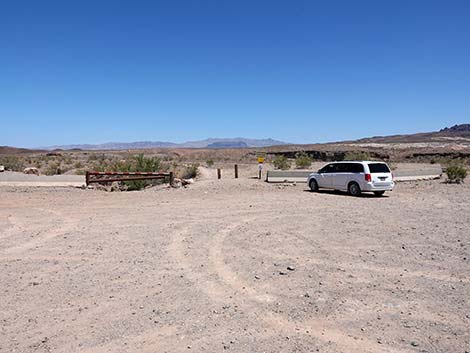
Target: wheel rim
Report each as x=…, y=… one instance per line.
x=354, y=189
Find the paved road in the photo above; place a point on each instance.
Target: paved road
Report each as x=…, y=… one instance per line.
x=20, y=179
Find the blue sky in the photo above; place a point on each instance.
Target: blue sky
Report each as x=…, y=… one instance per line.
x=298, y=71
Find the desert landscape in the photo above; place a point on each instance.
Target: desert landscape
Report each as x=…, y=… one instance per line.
x=235, y=176
x=236, y=265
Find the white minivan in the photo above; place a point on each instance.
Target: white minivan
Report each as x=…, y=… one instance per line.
x=354, y=177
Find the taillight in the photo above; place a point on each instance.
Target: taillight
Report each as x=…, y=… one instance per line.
x=368, y=177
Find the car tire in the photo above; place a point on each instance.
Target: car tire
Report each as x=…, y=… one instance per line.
x=354, y=189
x=313, y=185
x=379, y=193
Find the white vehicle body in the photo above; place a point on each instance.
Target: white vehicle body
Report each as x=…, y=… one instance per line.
x=354, y=177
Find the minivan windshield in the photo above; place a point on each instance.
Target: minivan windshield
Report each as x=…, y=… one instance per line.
x=378, y=168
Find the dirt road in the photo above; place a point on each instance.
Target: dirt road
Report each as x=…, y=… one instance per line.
x=235, y=265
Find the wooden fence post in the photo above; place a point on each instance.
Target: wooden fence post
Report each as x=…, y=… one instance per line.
x=236, y=171
x=87, y=178
x=172, y=178
x=219, y=173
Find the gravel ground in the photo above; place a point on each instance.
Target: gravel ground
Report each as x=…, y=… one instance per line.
x=235, y=265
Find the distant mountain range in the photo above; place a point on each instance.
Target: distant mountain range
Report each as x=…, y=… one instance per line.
x=237, y=142
x=455, y=133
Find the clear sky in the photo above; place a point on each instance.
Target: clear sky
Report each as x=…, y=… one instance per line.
x=298, y=71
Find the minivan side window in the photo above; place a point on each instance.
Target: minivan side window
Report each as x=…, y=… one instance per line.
x=342, y=168
x=355, y=168
x=378, y=168
x=349, y=168
x=329, y=168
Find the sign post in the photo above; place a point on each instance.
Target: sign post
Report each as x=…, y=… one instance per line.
x=260, y=166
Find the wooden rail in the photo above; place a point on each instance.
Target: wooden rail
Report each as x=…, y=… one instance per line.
x=109, y=177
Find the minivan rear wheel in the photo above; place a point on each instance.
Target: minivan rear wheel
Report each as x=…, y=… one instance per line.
x=313, y=185
x=379, y=193
x=354, y=189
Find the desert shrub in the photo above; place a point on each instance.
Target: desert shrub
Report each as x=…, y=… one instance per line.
x=52, y=168
x=12, y=163
x=191, y=171
x=78, y=165
x=210, y=162
x=99, y=167
x=140, y=163
x=357, y=156
x=302, y=160
x=147, y=164
x=456, y=174
x=281, y=162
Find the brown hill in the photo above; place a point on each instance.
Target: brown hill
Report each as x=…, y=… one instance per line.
x=14, y=150
x=456, y=133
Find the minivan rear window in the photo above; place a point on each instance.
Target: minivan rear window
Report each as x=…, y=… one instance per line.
x=378, y=168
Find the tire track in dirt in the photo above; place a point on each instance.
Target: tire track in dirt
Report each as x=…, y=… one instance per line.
x=228, y=282
x=51, y=231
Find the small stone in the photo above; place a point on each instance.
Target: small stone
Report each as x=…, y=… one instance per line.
x=414, y=344
x=257, y=277
x=282, y=273
x=291, y=268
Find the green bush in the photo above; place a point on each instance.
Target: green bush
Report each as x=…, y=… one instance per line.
x=281, y=162
x=140, y=163
x=302, y=160
x=191, y=171
x=357, y=156
x=456, y=174
x=210, y=162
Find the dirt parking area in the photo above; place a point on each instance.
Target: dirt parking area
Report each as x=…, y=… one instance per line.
x=237, y=266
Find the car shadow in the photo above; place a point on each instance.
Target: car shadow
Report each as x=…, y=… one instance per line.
x=343, y=193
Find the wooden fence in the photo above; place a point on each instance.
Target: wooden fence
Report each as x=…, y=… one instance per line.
x=108, y=177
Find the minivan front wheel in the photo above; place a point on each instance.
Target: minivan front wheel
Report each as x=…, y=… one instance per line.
x=313, y=185
x=354, y=189
x=379, y=193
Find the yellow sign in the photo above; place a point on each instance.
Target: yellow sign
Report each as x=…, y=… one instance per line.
x=260, y=159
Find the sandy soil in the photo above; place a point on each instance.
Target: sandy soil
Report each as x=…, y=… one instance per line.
x=235, y=265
